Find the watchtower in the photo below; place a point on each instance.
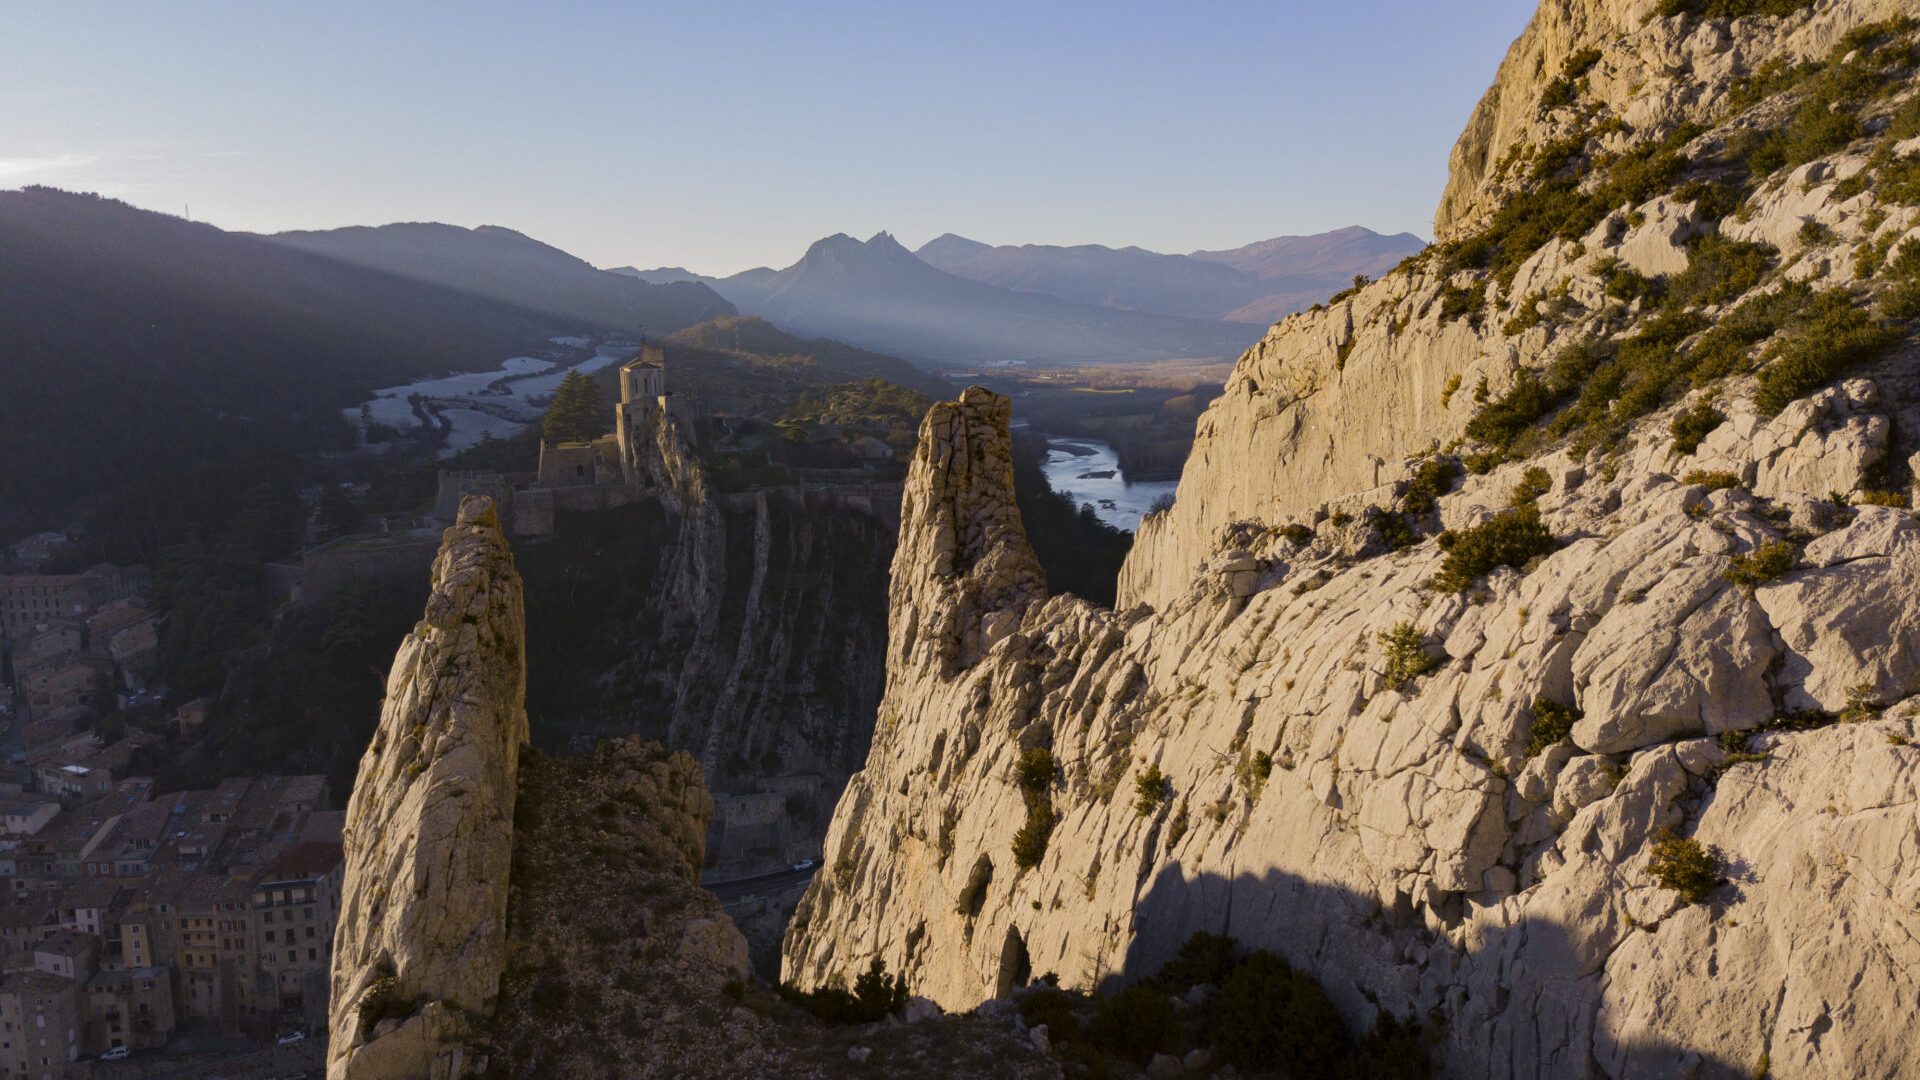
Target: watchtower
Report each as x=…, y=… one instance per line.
x=644, y=378
x=643, y=397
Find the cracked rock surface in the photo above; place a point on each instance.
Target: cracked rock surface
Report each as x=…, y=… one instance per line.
x=429, y=835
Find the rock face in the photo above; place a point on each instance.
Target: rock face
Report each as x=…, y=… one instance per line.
x=1651, y=71
x=964, y=571
x=1331, y=402
x=1239, y=749
x=746, y=629
x=422, y=936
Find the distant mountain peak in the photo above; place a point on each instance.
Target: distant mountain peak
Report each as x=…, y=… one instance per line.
x=1255, y=284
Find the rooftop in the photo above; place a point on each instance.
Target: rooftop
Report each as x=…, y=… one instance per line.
x=303, y=861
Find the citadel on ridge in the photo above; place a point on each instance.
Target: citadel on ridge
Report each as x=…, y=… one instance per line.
x=584, y=475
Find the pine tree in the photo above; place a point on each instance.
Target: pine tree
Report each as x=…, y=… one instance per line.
x=577, y=411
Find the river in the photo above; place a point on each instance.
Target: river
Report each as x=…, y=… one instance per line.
x=1088, y=471
x=500, y=402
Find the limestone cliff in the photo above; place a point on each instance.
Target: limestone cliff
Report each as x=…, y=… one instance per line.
x=534, y=916
x=421, y=942
x=746, y=628
x=1422, y=730
x=1333, y=401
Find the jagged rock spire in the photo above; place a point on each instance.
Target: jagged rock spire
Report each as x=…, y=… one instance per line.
x=963, y=573
x=429, y=837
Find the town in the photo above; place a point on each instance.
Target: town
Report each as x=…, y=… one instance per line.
x=131, y=915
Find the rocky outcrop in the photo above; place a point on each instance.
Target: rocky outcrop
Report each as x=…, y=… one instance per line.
x=621, y=965
x=422, y=936
x=1438, y=785
x=964, y=570
x=1650, y=70
x=1332, y=402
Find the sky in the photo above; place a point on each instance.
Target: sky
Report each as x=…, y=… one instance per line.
x=719, y=135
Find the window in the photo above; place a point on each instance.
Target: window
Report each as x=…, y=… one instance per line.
x=312, y=955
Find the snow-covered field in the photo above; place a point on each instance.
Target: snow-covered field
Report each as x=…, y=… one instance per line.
x=505, y=399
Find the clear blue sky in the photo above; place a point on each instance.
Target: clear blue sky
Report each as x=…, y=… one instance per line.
x=722, y=135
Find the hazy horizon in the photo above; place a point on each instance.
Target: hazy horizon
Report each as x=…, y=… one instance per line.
x=725, y=138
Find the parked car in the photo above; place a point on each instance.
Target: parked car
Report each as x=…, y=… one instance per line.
x=118, y=1053
x=291, y=1037
x=804, y=864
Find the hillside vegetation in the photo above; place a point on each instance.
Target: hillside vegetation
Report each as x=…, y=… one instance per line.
x=134, y=345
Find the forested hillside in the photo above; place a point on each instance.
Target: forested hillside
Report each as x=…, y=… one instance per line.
x=135, y=344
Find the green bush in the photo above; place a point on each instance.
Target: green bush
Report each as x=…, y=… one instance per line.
x=1433, y=478
x=1203, y=960
x=1035, y=769
x=1685, y=865
x=1055, y=1008
x=1405, y=655
x=1552, y=722
x=1833, y=338
x=1902, y=299
x=1136, y=1023
x=1723, y=350
x=1553, y=204
x=1459, y=300
x=1149, y=790
x=1503, y=420
x=1034, y=772
x=1713, y=200
x=1610, y=384
x=1752, y=569
x=1512, y=537
x=1694, y=425
x=1266, y=1013
x=1731, y=9
x=1565, y=88
x=1533, y=483
x=1625, y=284
x=1296, y=533
x=1833, y=95
x=1813, y=233
x=875, y=996
x=1030, y=843
x=1719, y=270
x=1898, y=181
x=1713, y=480
x=1395, y=532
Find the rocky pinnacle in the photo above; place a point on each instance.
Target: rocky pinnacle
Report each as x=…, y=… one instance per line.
x=963, y=573
x=429, y=836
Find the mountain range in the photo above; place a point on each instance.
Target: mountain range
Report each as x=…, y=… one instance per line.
x=1258, y=283
x=878, y=295
x=956, y=300
x=504, y=265
x=134, y=344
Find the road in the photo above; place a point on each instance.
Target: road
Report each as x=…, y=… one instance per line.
x=762, y=884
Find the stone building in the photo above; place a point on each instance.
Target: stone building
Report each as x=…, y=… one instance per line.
x=28, y=600
x=41, y=1024
x=130, y=1007
x=295, y=905
x=584, y=475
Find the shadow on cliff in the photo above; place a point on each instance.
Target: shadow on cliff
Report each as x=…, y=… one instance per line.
x=1367, y=954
